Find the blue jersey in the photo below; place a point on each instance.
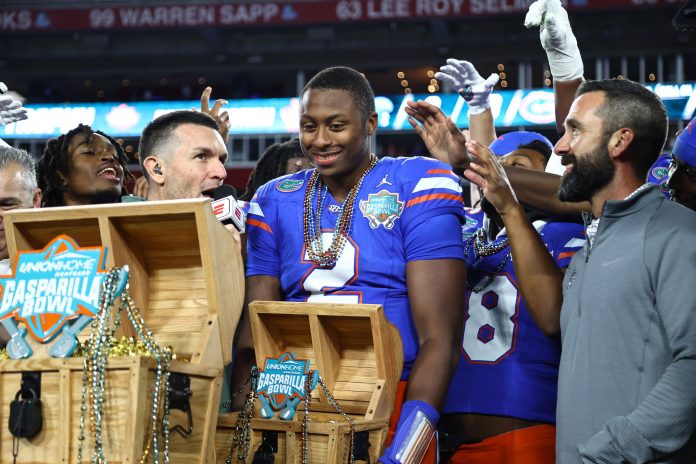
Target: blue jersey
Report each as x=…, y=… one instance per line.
x=408, y=209
x=508, y=367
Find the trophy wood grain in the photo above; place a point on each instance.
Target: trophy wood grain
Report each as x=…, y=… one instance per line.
x=326, y=352
x=127, y=411
x=65, y=395
x=123, y=252
x=292, y=452
x=209, y=350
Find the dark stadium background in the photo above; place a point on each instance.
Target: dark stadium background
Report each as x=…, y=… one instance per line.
x=92, y=51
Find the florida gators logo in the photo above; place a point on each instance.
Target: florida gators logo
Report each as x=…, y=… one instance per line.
x=470, y=222
x=660, y=175
x=49, y=287
x=289, y=185
x=382, y=209
x=282, y=385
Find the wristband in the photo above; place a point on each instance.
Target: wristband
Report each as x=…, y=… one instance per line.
x=414, y=433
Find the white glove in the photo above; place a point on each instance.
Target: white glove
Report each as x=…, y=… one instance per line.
x=468, y=82
x=557, y=38
x=11, y=110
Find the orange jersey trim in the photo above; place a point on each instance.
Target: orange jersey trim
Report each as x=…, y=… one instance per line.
x=434, y=196
x=262, y=225
x=440, y=171
x=566, y=254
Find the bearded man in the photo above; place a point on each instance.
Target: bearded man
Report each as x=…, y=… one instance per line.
x=624, y=308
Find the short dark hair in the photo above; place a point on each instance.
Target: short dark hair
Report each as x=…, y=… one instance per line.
x=630, y=104
x=349, y=80
x=159, y=132
x=11, y=155
x=271, y=165
x=537, y=145
x=56, y=159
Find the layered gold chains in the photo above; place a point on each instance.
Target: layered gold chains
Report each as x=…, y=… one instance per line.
x=326, y=259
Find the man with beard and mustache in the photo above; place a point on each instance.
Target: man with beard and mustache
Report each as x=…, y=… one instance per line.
x=626, y=318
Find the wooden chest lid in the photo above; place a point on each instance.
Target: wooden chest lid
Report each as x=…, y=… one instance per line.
x=186, y=272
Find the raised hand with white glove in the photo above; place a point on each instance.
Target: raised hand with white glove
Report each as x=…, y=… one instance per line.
x=11, y=110
x=464, y=78
x=557, y=38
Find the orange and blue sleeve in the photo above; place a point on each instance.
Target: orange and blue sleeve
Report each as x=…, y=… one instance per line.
x=433, y=212
x=563, y=240
x=262, y=248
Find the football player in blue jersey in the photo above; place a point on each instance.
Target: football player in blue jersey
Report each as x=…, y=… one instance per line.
x=524, y=149
x=682, y=169
x=501, y=403
x=658, y=173
x=357, y=229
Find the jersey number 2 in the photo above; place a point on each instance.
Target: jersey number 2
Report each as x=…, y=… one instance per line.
x=320, y=282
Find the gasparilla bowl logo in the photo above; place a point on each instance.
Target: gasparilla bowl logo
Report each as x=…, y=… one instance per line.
x=382, y=208
x=282, y=385
x=49, y=287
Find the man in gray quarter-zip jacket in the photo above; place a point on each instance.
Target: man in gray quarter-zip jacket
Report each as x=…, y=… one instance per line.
x=628, y=323
x=626, y=307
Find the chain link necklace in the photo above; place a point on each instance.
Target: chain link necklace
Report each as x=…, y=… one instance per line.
x=326, y=259
x=94, y=374
x=336, y=406
x=242, y=431
x=484, y=248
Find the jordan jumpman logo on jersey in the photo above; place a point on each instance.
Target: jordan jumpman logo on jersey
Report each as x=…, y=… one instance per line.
x=384, y=181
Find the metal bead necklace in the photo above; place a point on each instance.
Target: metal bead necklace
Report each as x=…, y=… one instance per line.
x=483, y=248
x=241, y=439
x=326, y=259
x=94, y=374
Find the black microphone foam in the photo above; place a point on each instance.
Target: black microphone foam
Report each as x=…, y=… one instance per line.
x=224, y=191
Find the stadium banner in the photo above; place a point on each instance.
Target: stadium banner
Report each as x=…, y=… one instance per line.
x=511, y=108
x=233, y=14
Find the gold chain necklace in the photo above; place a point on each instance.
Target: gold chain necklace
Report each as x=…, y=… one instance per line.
x=326, y=259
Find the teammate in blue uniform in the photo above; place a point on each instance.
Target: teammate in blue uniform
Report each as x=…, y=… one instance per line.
x=658, y=173
x=501, y=403
x=359, y=230
x=502, y=395
x=682, y=169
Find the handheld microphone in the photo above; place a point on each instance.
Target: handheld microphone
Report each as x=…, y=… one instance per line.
x=226, y=208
